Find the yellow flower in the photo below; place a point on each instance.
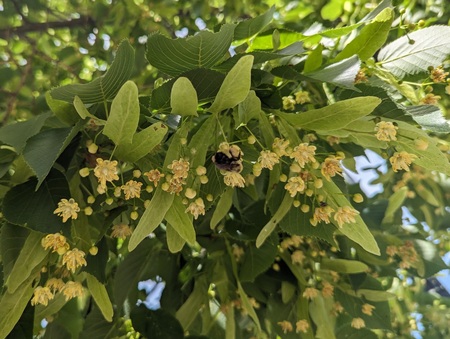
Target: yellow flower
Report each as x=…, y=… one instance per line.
x=327, y=289
x=279, y=146
x=301, y=326
x=238, y=252
x=132, y=189
x=297, y=257
x=361, y=76
x=57, y=242
x=438, y=74
x=302, y=97
x=303, y=154
x=105, y=170
x=42, y=295
x=338, y=308
x=196, y=208
x=72, y=289
x=331, y=167
x=67, y=209
x=310, y=293
x=295, y=185
x=286, y=326
x=179, y=168
x=55, y=284
x=430, y=99
x=367, y=309
x=233, y=179
x=358, y=323
x=322, y=213
x=121, y=231
x=74, y=259
x=402, y=160
x=391, y=250
x=174, y=185
x=154, y=176
x=267, y=159
x=288, y=103
x=345, y=215
x=386, y=131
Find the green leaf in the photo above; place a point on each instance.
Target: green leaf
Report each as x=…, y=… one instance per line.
x=152, y=217
x=187, y=313
x=282, y=210
x=235, y=87
x=105, y=87
x=35, y=210
x=177, y=217
x=314, y=59
x=247, y=306
x=432, y=158
x=84, y=113
x=332, y=10
x=249, y=109
x=12, y=306
x=395, y=202
x=124, y=116
x=344, y=265
x=174, y=241
x=52, y=308
x=183, y=98
x=202, y=50
x=95, y=325
x=201, y=140
x=63, y=110
x=430, y=48
x=321, y=311
x=43, y=149
x=372, y=295
x=223, y=207
x=30, y=258
x=143, y=143
x=334, y=116
x=155, y=324
x=12, y=239
x=205, y=81
x=358, y=232
x=100, y=295
x=370, y=39
x=17, y=134
x=258, y=260
x=248, y=28
x=429, y=117
x=341, y=73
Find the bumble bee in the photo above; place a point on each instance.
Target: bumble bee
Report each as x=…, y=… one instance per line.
x=229, y=161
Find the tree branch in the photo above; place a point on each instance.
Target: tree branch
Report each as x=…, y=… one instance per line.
x=43, y=26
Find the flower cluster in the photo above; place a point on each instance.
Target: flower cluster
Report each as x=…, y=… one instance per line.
x=300, y=97
x=70, y=290
x=67, y=209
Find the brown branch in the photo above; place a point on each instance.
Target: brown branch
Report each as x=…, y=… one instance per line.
x=43, y=26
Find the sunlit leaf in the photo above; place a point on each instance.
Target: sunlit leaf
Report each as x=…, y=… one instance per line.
x=124, y=116
x=105, y=87
x=100, y=295
x=183, y=98
x=415, y=52
x=200, y=51
x=177, y=217
x=29, y=260
x=370, y=39
x=334, y=116
x=143, y=143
